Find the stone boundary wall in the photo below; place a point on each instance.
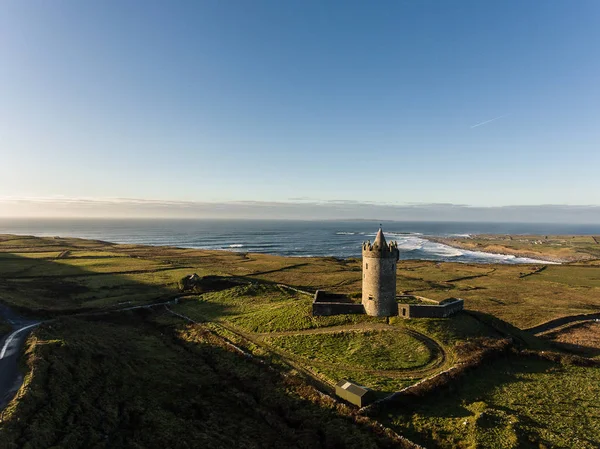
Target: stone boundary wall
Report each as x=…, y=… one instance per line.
x=327, y=304
x=417, y=298
x=433, y=384
x=442, y=310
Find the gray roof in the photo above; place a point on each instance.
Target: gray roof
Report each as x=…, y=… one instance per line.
x=380, y=239
x=353, y=388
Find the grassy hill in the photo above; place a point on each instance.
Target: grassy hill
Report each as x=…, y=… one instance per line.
x=241, y=361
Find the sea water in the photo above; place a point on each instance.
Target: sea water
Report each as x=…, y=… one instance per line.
x=341, y=239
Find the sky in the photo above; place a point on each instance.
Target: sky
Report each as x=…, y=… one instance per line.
x=484, y=104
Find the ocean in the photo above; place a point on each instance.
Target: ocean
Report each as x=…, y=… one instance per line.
x=341, y=239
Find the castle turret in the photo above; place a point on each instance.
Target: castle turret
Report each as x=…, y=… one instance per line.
x=379, y=276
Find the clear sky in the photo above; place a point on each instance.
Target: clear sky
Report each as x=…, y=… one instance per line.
x=483, y=103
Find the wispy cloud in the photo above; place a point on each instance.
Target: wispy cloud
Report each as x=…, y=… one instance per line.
x=64, y=207
x=489, y=121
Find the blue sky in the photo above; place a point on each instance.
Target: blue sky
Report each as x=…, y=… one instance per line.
x=270, y=101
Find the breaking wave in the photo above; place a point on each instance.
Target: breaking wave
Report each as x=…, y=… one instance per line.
x=293, y=238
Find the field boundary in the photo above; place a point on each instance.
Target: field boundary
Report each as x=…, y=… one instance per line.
x=558, y=322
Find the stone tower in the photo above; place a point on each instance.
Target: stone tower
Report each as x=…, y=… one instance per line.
x=379, y=276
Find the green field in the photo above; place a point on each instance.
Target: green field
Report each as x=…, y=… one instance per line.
x=146, y=381
x=377, y=350
x=154, y=377
x=515, y=402
x=261, y=308
x=102, y=275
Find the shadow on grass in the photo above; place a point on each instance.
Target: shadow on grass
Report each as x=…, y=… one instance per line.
x=583, y=350
x=477, y=384
x=48, y=288
x=140, y=379
x=277, y=270
x=520, y=337
x=476, y=389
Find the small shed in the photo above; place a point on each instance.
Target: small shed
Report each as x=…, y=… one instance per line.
x=353, y=393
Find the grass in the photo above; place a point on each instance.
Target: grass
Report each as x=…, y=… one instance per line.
x=130, y=381
x=500, y=290
x=524, y=301
x=375, y=350
x=148, y=381
x=262, y=308
x=271, y=318
x=562, y=248
x=449, y=332
x=512, y=403
x=580, y=338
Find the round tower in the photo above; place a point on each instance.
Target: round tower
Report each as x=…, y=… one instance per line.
x=379, y=276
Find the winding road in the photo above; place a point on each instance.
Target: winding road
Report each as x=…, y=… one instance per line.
x=11, y=345
x=10, y=350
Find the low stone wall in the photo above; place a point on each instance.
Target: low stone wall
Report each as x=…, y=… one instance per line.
x=445, y=309
x=327, y=304
x=336, y=308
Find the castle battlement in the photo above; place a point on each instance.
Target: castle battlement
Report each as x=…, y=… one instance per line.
x=378, y=250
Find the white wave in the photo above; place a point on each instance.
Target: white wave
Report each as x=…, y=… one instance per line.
x=503, y=258
x=345, y=233
x=410, y=244
x=401, y=234
x=236, y=245
x=445, y=252
x=388, y=234
x=466, y=236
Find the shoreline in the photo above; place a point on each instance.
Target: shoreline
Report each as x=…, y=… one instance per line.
x=502, y=250
x=478, y=248
x=240, y=249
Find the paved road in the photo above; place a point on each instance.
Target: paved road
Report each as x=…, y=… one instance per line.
x=10, y=349
x=11, y=346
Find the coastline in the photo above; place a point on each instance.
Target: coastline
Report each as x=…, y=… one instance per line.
x=473, y=243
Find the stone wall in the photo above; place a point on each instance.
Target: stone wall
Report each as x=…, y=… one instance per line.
x=327, y=304
x=445, y=309
x=336, y=308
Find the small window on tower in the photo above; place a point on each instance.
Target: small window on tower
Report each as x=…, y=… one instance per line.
x=366, y=266
x=370, y=298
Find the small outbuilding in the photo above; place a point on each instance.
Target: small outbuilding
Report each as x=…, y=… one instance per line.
x=354, y=393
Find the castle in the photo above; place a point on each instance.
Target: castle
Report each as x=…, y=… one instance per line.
x=379, y=266
x=379, y=276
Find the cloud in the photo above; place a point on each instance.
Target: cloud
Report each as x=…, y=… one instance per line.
x=306, y=210
x=489, y=121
